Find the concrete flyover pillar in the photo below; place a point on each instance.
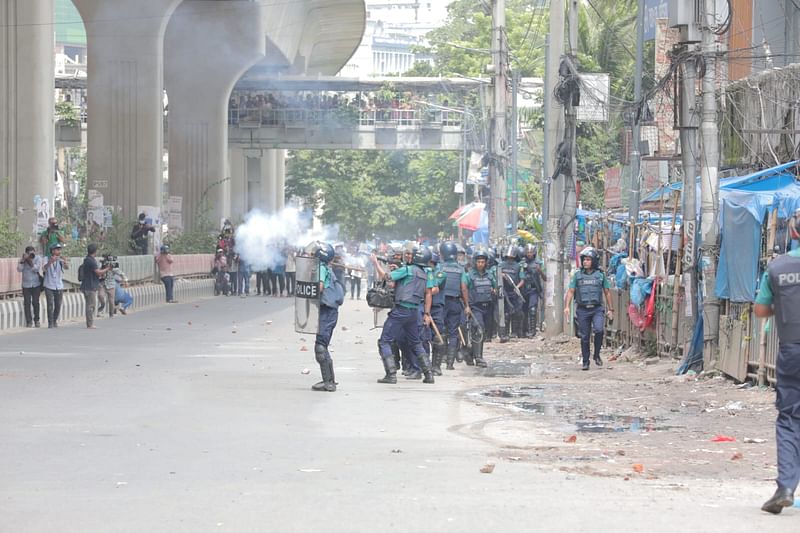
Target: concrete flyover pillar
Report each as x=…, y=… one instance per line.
x=268, y=185
x=26, y=110
x=208, y=46
x=125, y=99
x=280, y=179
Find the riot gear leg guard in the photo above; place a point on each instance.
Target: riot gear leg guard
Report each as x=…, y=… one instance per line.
x=451, y=356
x=390, y=369
x=478, y=354
x=436, y=363
x=598, y=343
x=326, y=369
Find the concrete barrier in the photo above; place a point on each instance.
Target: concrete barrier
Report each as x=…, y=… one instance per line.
x=12, y=315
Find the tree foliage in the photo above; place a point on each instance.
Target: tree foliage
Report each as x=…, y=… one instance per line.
x=387, y=194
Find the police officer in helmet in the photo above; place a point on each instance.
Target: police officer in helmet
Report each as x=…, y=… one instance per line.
x=453, y=307
x=512, y=275
x=328, y=316
x=588, y=286
x=402, y=325
x=534, y=288
x=435, y=314
x=478, y=291
x=779, y=296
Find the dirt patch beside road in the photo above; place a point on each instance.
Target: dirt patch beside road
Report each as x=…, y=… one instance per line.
x=631, y=418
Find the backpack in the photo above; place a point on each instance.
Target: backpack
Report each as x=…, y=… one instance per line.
x=80, y=273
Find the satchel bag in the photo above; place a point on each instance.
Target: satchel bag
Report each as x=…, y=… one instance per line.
x=380, y=297
x=333, y=296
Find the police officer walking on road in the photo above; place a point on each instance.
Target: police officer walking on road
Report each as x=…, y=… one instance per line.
x=453, y=308
x=779, y=295
x=511, y=272
x=534, y=288
x=479, y=289
x=588, y=286
x=435, y=315
x=402, y=323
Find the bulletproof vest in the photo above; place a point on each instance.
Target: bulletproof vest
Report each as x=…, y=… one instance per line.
x=481, y=290
x=411, y=292
x=453, y=271
x=784, y=280
x=589, y=288
x=510, y=269
x=438, y=299
x=533, y=278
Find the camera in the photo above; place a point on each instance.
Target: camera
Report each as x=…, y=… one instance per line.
x=109, y=260
x=32, y=255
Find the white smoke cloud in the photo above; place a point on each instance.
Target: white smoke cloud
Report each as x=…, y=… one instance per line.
x=262, y=238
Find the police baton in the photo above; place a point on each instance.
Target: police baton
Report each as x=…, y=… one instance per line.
x=438, y=335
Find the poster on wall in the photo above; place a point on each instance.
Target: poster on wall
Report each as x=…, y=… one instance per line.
x=43, y=213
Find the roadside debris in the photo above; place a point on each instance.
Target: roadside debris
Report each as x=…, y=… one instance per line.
x=488, y=468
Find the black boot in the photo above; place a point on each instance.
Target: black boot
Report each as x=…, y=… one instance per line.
x=413, y=374
x=503, y=333
x=782, y=498
x=478, y=352
x=598, y=343
x=436, y=364
x=585, y=364
x=425, y=365
x=451, y=356
x=390, y=369
x=327, y=384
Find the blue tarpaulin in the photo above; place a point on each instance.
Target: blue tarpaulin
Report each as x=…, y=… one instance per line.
x=745, y=201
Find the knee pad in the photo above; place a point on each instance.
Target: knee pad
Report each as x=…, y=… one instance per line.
x=320, y=353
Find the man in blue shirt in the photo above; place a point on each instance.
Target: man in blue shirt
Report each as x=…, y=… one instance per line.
x=402, y=323
x=54, y=283
x=92, y=273
x=779, y=296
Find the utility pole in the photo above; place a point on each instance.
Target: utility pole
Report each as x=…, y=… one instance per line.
x=636, y=156
x=546, y=157
x=498, y=214
x=554, y=189
x=709, y=190
x=689, y=150
x=571, y=125
x=514, y=153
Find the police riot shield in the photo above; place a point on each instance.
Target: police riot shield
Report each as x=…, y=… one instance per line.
x=306, y=295
x=499, y=304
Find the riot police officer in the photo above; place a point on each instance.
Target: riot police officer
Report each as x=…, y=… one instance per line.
x=588, y=286
x=403, y=323
x=510, y=271
x=328, y=316
x=478, y=291
x=533, y=289
x=435, y=314
x=453, y=307
x=779, y=295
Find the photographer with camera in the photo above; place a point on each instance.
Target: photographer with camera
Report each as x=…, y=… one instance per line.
x=139, y=235
x=90, y=276
x=54, y=283
x=52, y=235
x=31, y=267
x=108, y=285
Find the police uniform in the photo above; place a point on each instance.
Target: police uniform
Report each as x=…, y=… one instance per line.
x=590, y=312
x=402, y=323
x=780, y=288
x=453, y=308
x=511, y=273
x=437, y=279
x=481, y=295
x=532, y=274
x=328, y=316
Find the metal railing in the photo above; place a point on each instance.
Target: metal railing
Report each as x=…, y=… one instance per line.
x=342, y=117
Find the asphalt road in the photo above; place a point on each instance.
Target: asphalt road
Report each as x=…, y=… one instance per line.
x=197, y=417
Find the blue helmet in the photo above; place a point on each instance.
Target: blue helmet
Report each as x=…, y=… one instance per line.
x=324, y=252
x=480, y=252
x=421, y=257
x=448, y=250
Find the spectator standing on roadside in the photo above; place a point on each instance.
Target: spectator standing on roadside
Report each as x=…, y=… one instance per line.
x=54, y=283
x=244, y=278
x=31, y=267
x=139, y=234
x=291, y=271
x=279, y=276
x=91, y=274
x=233, y=268
x=164, y=262
x=52, y=235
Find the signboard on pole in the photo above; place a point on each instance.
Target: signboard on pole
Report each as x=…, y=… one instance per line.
x=594, y=97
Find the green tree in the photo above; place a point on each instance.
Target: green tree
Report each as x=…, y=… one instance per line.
x=390, y=194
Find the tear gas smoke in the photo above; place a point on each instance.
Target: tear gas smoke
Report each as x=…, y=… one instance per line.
x=262, y=239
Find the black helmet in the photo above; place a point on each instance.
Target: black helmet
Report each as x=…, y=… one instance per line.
x=421, y=257
x=324, y=252
x=480, y=252
x=448, y=251
x=511, y=251
x=435, y=257
x=592, y=253
x=520, y=252
x=491, y=261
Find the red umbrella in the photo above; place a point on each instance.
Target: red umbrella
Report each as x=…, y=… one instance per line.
x=471, y=216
